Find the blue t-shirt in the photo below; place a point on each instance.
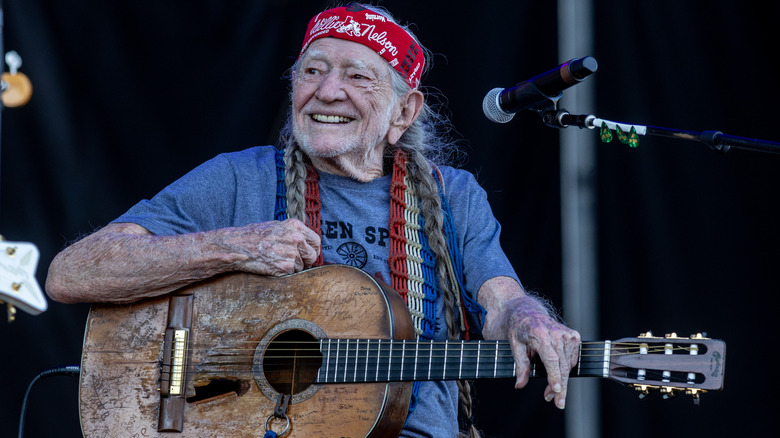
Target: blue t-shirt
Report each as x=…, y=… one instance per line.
x=239, y=188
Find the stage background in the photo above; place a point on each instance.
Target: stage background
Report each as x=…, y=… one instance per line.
x=130, y=95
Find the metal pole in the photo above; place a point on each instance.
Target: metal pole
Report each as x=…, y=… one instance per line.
x=578, y=217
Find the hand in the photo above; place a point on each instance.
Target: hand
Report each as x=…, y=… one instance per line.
x=273, y=248
x=531, y=330
x=537, y=333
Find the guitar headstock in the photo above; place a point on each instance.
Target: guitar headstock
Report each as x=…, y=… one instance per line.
x=669, y=364
x=18, y=286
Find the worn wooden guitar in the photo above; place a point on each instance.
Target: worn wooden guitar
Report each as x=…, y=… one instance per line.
x=325, y=352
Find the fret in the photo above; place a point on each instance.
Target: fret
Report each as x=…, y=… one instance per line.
x=495, y=361
x=345, y=370
x=319, y=371
x=460, y=364
x=389, y=359
x=430, y=358
x=327, y=363
x=416, y=351
x=479, y=358
x=444, y=368
x=403, y=358
x=357, y=350
x=336, y=364
x=350, y=365
x=409, y=371
x=378, y=353
x=368, y=357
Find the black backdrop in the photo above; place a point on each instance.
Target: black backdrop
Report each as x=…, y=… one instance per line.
x=130, y=95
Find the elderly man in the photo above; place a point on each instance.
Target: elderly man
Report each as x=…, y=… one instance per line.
x=354, y=181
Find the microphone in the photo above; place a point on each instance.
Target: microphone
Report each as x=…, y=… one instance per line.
x=500, y=104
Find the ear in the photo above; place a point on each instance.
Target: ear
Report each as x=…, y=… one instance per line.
x=410, y=107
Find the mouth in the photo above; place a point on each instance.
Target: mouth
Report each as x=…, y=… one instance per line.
x=322, y=118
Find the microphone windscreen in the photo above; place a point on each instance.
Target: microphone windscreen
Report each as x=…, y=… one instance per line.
x=492, y=109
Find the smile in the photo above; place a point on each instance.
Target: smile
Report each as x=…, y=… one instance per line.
x=330, y=119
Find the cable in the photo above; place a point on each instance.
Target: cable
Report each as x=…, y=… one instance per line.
x=72, y=370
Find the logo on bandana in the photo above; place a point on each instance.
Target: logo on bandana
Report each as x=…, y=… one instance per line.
x=352, y=28
x=353, y=254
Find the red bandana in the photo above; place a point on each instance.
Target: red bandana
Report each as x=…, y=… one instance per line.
x=356, y=23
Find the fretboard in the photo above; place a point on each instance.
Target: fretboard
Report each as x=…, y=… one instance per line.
x=382, y=360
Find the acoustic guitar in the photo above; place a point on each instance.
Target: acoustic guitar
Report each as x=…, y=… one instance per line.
x=326, y=352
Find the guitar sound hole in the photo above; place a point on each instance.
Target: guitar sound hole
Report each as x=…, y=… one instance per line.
x=291, y=361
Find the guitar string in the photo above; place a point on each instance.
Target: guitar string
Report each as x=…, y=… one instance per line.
x=504, y=355
x=502, y=360
x=615, y=349
x=504, y=371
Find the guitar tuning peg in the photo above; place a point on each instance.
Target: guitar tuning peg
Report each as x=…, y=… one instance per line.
x=668, y=392
x=647, y=334
x=671, y=335
x=694, y=393
x=643, y=390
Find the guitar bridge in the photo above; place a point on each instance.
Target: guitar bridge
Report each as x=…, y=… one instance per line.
x=173, y=375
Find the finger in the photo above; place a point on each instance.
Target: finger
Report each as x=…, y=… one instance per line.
x=558, y=398
x=556, y=385
x=308, y=254
x=569, y=356
x=552, y=363
x=574, y=353
x=522, y=365
x=309, y=247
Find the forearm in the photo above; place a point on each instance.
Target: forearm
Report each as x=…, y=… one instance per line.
x=124, y=262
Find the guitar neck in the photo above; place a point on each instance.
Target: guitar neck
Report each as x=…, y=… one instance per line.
x=381, y=360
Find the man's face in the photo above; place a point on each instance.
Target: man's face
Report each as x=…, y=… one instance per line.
x=343, y=101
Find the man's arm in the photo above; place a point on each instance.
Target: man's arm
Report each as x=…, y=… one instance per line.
x=124, y=262
x=530, y=328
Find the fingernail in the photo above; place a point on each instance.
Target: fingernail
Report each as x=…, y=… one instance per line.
x=548, y=397
x=557, y=387
x=561, y=404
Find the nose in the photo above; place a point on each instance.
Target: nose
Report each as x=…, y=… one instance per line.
x=331, y=88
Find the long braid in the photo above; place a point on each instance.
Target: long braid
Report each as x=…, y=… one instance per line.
x=295, y=180
x=431, y=209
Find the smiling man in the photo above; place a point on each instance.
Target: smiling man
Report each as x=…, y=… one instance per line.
x=357, y=181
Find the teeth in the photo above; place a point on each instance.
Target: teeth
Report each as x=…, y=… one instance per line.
x=330, y=119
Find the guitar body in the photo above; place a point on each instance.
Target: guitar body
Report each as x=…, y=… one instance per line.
x=233, y=318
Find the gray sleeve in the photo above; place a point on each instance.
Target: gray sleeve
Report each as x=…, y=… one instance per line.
x=229, y=190
x=477, y=229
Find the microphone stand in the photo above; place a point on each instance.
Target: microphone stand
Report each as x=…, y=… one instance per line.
x=560, y=118
x=714, y=139
x=547, y=107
